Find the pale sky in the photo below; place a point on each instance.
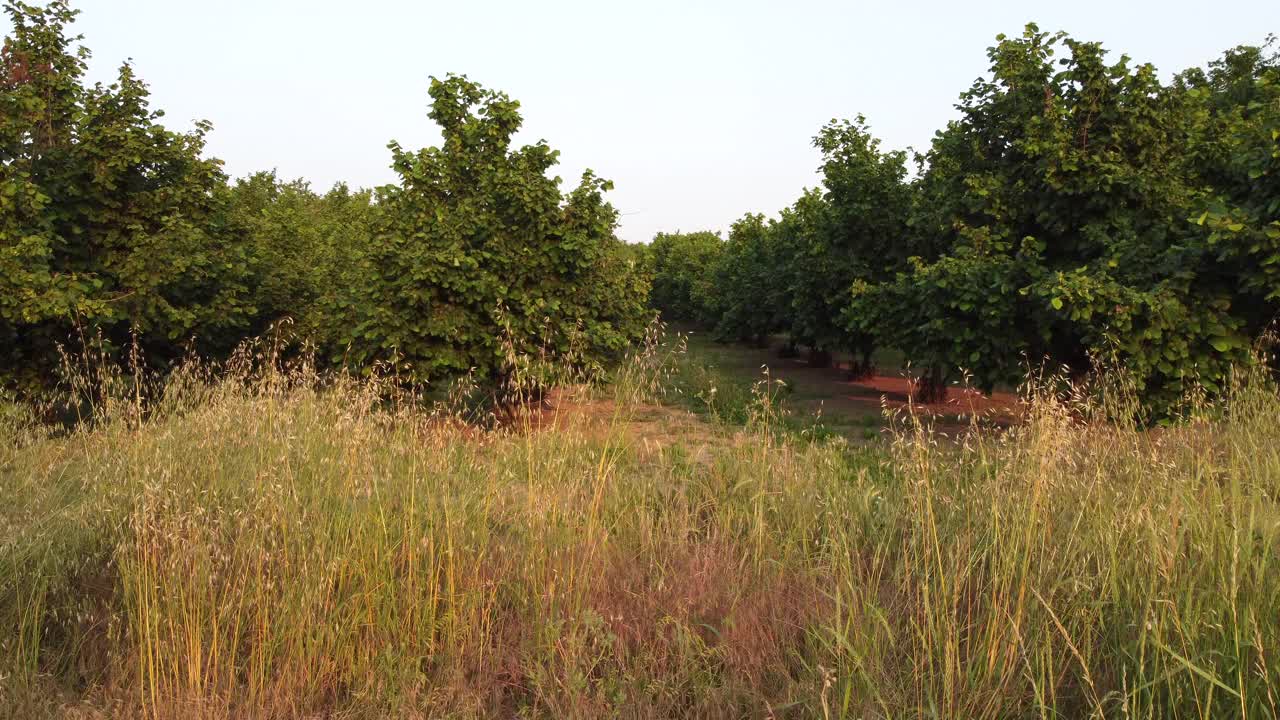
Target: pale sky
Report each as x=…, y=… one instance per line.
x=698, y=111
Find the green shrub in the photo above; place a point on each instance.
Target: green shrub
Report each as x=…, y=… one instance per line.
x=477, y=258
x=682, y=275
x=110, y=223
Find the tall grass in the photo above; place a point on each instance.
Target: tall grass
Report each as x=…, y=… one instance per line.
x=278, y=544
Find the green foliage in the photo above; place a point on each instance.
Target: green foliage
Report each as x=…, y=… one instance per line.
x=857, y=235
x=308, y=250
x=1053, y=224
x=478, y=259
x=943, y=310
x=747, y=299
x=109, y=222
x=793, y=274
x=683, y=264
x=1235, y=116
x=1078, y=212
x=115, y=230
x=810, y=272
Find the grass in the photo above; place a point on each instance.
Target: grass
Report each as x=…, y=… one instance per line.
x=724, y=383
x=286, y=545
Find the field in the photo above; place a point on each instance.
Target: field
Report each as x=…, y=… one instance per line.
x=673, y=543
x=462, y=444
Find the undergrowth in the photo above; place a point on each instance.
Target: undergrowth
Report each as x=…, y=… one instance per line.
x=276, y=542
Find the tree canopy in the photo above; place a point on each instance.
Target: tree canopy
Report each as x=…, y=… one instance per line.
x=109, y=222
x=1079, y=213
x=116, y=230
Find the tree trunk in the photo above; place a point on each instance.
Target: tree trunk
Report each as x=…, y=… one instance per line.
x=931, y=388
x=860, y=365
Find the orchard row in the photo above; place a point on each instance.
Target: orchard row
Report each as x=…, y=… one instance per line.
x=1079, y=214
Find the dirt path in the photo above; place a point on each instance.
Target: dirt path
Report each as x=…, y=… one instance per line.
x=841, y=402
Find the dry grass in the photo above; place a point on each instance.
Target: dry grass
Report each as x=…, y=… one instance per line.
x=290, y=546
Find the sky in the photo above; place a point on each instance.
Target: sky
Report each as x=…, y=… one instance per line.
x=699, y=112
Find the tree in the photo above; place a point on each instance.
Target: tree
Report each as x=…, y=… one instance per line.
x=1054, y=214
x=307, y=250
x=682, y=266
x=109, y=222
x=862, y=234
x=793, y=274
x=1235, y=142
x=807, y=276
x=478, y=259
x=747, y=301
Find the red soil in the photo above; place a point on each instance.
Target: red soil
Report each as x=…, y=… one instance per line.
x=894, y=391
x=830, y=389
